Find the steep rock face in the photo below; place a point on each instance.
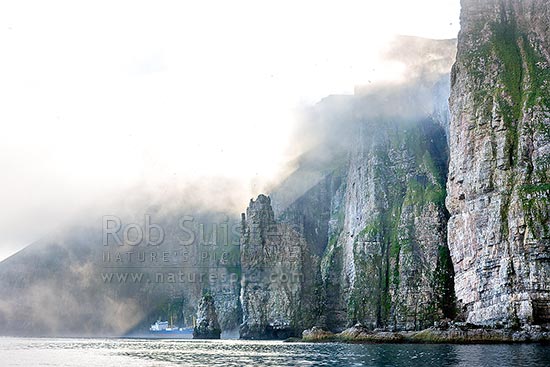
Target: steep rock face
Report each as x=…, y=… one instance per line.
x=310, y=214
x=498, y=186
x=207, y=326
x=368, y=199
x=277, y=282
x=389, y=262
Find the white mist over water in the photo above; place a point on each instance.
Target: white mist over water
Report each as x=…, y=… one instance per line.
x=101, y=98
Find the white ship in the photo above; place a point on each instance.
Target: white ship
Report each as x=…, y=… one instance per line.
x=162, y=327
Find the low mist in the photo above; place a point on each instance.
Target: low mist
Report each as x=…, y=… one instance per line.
x=183, y=112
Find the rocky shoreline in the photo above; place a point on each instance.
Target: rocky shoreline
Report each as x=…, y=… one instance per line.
x=448, y=333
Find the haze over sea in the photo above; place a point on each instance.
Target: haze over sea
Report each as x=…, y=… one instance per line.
x=92, y=352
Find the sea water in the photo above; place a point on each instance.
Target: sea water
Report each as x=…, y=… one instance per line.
x=29, y=352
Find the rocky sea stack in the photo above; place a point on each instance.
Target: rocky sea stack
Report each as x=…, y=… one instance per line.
x=207, y=326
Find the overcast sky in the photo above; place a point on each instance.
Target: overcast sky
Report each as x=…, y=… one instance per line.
x=97, y=97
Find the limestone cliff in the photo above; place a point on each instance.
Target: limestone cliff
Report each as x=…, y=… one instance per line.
x=498, y=187
x=389, y=261
x=366, y=208
x=392, y=256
